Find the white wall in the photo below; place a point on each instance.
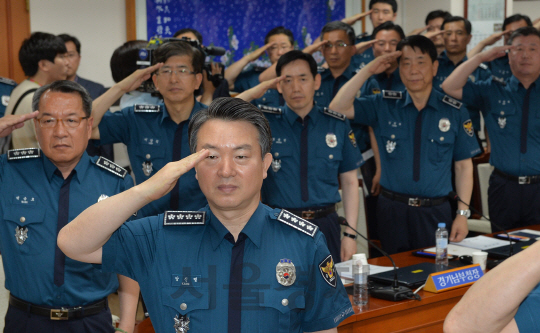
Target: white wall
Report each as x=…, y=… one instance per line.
x=100, y=25
x=530, y=8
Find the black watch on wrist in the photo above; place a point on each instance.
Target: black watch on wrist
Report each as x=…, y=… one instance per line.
x=349, y=235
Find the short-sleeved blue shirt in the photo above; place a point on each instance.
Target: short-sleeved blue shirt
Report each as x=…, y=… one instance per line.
x=379, y=82
x=360, y=60
x=6, y=87
x=331, y=151
x=446, y=135
x=249, y=79
x=148, y=132
x=330, y=85
x=501, y=103
x=185, y=270
x=29, y=194
x=527, y=315
x=500, y=67
x=446, y=67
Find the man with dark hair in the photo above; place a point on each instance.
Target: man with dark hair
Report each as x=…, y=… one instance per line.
x=380, y=11
x=236, y=265
x=42, y=57
x=190, y=33
x=157, y=134
x=277, y=42
x=73, y=57
x=457, y=35
x=41, y=191
x=314, y=149
x=422, y=132
x=510, y=108
x=337, y=50
x=434, y=22
x=500, y=67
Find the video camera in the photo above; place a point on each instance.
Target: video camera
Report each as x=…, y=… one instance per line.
x=145, y=59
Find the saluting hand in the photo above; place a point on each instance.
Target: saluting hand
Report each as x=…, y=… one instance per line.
x=11, y=122
x=136, y=78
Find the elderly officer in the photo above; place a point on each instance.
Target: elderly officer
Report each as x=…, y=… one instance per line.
x=313, y=148
x=157, y=134
x=421, y=131
x=41, y=191
x=511, y=110
x=237, y=265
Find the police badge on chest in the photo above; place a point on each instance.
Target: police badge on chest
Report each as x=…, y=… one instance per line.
x=276, y=165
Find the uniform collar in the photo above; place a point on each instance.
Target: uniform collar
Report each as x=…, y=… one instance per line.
x=384, y=76
x=291, y=116
x=443, y=57
x=80, y=168
x=253, y=228
x=432, y=100
x=514, y=83
x=165, y=114
x=349, y=72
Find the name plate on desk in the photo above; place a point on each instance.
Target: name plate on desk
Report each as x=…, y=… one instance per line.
x=453, y=278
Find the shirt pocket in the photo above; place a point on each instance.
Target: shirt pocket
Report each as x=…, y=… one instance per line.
x=505, y=119
x=151, y=158
x=283, y=308
x=191, y=302
x=441, y=146
x=281, y=153
x=395, y=142
x=25, y=224
x=328, y=161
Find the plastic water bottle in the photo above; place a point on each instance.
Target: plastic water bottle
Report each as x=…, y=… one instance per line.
x=441, y=241
x=360, y=275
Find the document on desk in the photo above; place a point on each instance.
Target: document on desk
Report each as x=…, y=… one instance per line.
x=344, y=269
x=481, y=242
x=455, y=250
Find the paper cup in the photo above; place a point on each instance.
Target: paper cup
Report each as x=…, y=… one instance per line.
x=480, y=257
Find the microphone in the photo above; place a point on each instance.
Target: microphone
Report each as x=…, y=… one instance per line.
x=395, y=292
x=454, y=196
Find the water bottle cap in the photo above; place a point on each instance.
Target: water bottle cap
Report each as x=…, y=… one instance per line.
x=360, y=256
x=442, y=225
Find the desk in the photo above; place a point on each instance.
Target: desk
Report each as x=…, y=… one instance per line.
x=426, y=315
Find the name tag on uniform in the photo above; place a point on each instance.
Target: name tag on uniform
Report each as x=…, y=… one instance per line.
x=178, y=280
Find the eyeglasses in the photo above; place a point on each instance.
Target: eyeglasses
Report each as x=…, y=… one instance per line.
x=339, y=45
x=180, y=72
x=70, y=122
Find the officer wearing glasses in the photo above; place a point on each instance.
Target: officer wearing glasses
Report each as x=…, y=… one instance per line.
x=157, y=134
x=41, y=190
x=337, y=52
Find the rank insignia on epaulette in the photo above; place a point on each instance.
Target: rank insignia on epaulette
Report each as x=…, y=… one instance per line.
x=17, y=154
x=172, y=217
x=270, y=109
x=452, y=102
x=483, y=66
x=8, y=81
x=362, y=35
x=498, y=79
x=392, y=94
x=320, y=69
x=334, y=114
x=110, y=166
x=146, y=108
x=260, y=69
x=298, y=223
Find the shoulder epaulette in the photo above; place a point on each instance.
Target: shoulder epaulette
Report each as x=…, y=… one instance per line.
x=320, y=69
x=270, y=109
x=110, y=166
x=362, y=35
x=8, y=81
x=498, y=80
x=146, y=108
x=483, y=66
x=392, y=94
x=259, y=68
x=452, y=102
x=176, y=217
x=334, y=114
x=17, y=154
x=297, y=223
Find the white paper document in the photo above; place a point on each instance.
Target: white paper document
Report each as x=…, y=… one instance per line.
x=482, y=242
x=344, y=269
x=455, y=250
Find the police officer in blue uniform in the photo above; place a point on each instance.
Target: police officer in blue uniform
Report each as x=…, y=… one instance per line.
x=234, y=266
x=278, y=41
x=456, y=37
x=157, y=134
x=41, y=191
x=6, y=87
x=510, y=109
x=312, y=148
x=419, y=133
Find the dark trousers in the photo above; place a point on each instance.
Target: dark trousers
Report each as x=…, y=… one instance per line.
x=512, y=205
x=18, y=321
x=331, y=230
x=404, y=228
